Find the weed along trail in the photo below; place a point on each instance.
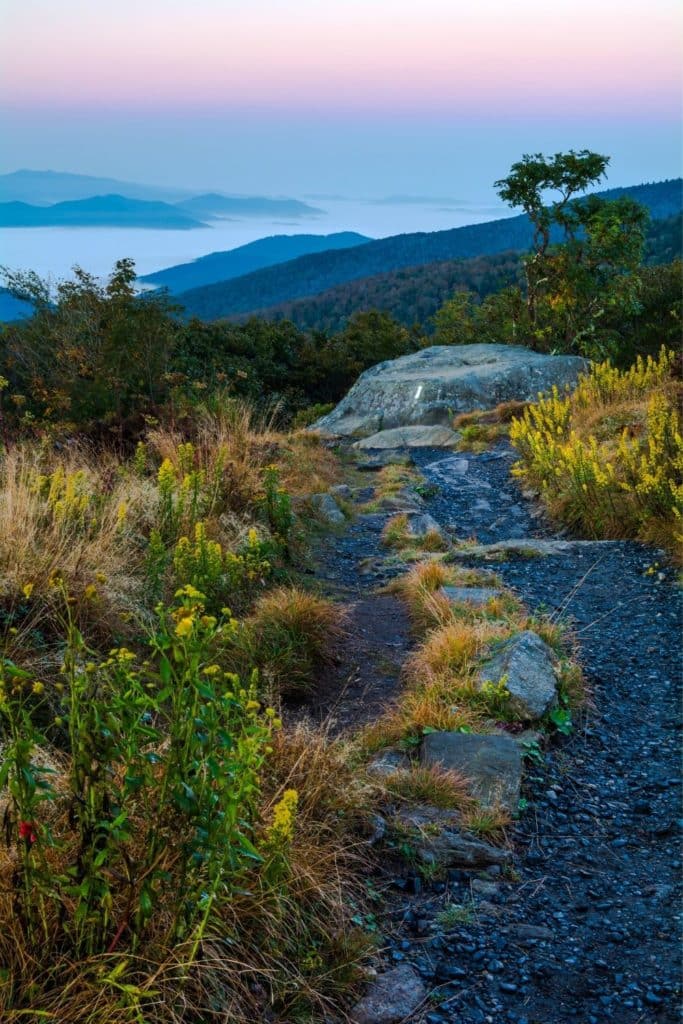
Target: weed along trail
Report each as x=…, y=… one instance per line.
x=515, y=695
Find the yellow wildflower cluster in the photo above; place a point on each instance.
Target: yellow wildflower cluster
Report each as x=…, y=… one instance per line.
x=69, y=496
x=281, y=830
x=607, y=385
x=629, y=476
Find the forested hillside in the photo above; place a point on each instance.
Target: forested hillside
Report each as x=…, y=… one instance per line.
x=310, y=275
x=413, y=295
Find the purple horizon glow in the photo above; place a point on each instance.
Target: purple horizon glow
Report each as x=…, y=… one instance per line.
x=369, y=58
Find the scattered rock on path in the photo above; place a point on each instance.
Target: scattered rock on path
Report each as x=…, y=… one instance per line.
x=423, y=524
x=342, y=491
x=492, y=764
x=529, y=667
x=392, y=998
x=327, y=508
x=388, y=762
x=449, y=849
x=428, y=386
x=405, y=500
x=411, y=437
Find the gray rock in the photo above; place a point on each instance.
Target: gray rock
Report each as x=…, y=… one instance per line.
x=429, y=386
x=387, y=763
x=405, y=500
x=525, y=547
x=421, y=525
x=451, y=849
x=477, y=596
x=327, y=508
x=377, y=460
x=484, y=888
x=411, y=437
x=378, y=829
x=391, y=998
x=493, y=764
x=533, y=932
x=422, y=817
x=529, y=666
x=342, y=491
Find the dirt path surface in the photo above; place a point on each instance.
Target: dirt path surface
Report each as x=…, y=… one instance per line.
x=588, y=932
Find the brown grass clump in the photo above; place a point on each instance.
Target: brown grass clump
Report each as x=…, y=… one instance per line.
x=430, y=785
x=397, y=534
x=290, y=635
x=483, y=427
x=421, y=585
x=306, y=466
x=490, y=822
x=69, y=524
x=451, y=648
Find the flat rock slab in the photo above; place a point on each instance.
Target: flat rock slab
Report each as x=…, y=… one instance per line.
x=527, y=547
x=429, y=386
x=477, y=596
x=392, y=998
x=453, y=849
x=376, y=460
x=529, y=667
x=493, y=764
x=411, y=437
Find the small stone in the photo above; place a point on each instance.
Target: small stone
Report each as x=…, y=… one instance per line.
x=388, y=762
x=327, y=509
x=342, y=491
x=393, y=997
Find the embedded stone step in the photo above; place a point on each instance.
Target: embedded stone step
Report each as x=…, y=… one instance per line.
x=492, y=764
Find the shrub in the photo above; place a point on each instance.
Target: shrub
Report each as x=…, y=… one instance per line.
x=608, y=459
x=149, y=828
x=291, y=635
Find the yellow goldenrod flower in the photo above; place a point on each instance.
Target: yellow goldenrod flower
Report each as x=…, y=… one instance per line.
x=27, y=590
x=185, y=626
x=284, y=812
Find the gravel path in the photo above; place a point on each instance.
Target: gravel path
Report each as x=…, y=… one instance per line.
x=589, y=933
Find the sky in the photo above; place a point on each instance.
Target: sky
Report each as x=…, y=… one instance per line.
x=343, y=97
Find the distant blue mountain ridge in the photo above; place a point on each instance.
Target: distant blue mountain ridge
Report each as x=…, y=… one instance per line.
x=265, y=252
x=98, y=212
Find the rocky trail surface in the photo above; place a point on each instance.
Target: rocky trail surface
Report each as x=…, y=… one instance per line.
x=585, y=927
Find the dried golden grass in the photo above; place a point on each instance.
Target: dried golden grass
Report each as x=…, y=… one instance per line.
x=449, y=649
x=290, y=636
x=433, y=785
x=37, y=547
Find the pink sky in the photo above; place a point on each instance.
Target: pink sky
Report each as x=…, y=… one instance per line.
x=376, y=56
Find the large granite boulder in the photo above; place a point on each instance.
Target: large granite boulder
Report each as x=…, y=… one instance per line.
x=429, y=386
